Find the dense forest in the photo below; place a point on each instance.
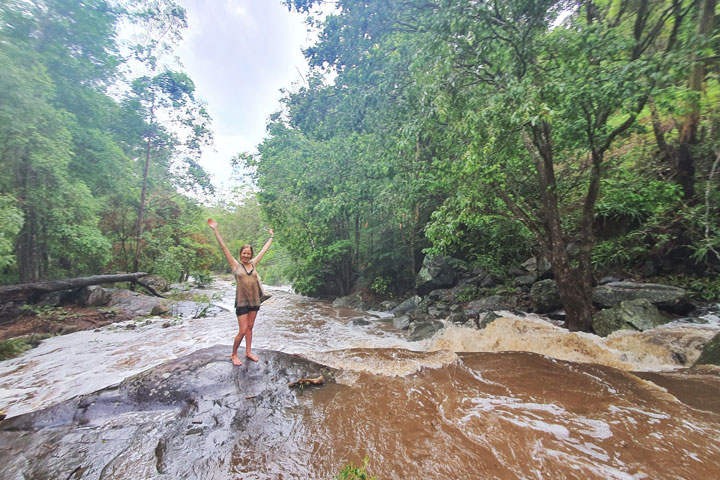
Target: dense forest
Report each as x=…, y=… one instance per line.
x=100, y=136
x=582, y=132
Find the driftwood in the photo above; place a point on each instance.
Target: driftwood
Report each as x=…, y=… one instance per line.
x=304, y=382
x=29, y=290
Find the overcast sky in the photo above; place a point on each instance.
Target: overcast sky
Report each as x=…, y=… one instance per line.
x=240, y=53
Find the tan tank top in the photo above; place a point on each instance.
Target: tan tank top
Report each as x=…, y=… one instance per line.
x=247, y=292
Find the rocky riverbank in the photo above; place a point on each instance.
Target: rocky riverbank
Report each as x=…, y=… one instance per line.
x=450, y=293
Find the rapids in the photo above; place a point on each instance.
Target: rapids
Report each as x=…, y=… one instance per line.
x=519, y=399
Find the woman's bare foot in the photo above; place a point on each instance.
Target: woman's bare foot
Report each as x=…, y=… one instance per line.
x=252, y=357
x=236, y=361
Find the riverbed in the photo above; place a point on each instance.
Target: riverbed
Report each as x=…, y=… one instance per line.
x=521, y=399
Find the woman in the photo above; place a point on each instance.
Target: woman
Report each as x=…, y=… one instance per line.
x=247, y=292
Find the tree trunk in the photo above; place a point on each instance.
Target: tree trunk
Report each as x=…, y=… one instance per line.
x=573, y=283
x=143, y=193
x=29, y=290
x=684, y=163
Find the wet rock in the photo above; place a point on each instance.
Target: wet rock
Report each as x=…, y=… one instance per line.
x=408, y=305
x=133, y=303
x=639, y=314
x=458, y=318
x=711, y=352
x=158, y=283
x=486, y=319
x=422, y=330
x=183, y=419
x=524, y=280
x=494, y=302
x=666, y=297
x=354, y=301
x=402, y=322
x=159, y=309
x=359, y=322
x=545, y=297
x=438, y=310
x=388, y=305
x=437, y=272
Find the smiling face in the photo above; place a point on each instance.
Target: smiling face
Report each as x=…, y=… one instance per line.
x=246, y=254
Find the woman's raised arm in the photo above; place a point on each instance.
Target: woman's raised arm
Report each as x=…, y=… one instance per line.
x=233, y=263
x=259, y=256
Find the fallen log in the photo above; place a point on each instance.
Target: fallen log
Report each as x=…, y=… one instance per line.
x=27, y=291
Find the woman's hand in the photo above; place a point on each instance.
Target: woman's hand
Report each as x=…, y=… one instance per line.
x=272, y=233
x=213, y=224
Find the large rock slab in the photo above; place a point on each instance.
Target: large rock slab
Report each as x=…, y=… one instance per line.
x=187, y=418
x=135, y=304
x=545, y=297
x=488, y=304
x=437, y=272
x=639, y=314
x=422, y=330
x=665, y=297
x=711, y=352
x=354, y=301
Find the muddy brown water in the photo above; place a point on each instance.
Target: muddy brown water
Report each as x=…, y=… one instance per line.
x=522, y=399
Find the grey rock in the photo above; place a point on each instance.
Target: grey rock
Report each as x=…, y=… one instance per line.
x=159, y=423
x=486, y=319
x=360, y=322
x=135, y=304
x=665, y=297
x=458, y=318
x=93, y=296
x=494, y=302
x=437, y=272
x=402, y=322
x=639, y=314
x=407, y=306
x=545, y=297
x=158, y=283
x=524, y=280
x=388, y=305
x=354, y=301
x=711, y=352
x=423, y=330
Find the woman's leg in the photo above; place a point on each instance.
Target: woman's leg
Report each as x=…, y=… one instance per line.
x=242, y=332
x=248, y=336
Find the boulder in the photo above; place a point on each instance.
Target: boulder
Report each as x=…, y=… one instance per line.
x=133, y=303
x=93, y=296
x=408, y=305
x=458, y=318
x=665, y=297
x=354, y=301
x=639, y=314
x=359, y=322
x=711, y=352
x=524, y=280
x=183, y=419
x=494, y=302
x=388, y=305
x=486, y=319
x=437, y=272
x=545, y=297
x=402, y=322
x=158, y=283
x=424, y=329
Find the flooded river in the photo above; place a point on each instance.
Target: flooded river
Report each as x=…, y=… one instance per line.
x=521, y=399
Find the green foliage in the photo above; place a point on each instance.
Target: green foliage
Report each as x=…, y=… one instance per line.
x=351, y=472
x=11, y=220
x=14, y=348
x=705, y=288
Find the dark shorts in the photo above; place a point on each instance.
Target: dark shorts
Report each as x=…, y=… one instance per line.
x=245, y=310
